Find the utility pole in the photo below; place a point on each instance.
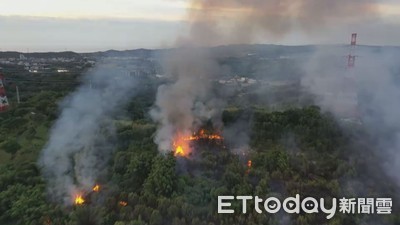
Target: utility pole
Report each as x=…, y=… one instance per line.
x=17, y=90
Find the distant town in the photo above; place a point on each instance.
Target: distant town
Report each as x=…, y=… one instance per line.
x=48, y=64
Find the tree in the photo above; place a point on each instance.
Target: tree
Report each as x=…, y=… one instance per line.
x=162, y=178
x=84, y=215
x=11, y=147
x=156, y=218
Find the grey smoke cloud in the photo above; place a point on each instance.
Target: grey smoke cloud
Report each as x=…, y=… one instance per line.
x=240, y=21
x=80, y=142
x=379, y=80
x=372, y=88
x=186, y=103
x=233, y=21
x=328, y=79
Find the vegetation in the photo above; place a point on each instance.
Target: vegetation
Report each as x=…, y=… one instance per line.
x=293, y=151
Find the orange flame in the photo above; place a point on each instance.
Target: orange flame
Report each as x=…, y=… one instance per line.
x=96, y=188
x=181, y=147
x=79, y=200
x=181, y=143
x=122, y=203
x=249, y=164
x=203, y=135
x=179, y=151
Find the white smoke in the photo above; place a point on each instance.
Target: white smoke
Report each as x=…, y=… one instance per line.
x=333, y=84
x=379, y=84
x=79, y=145
x=184, y=105
x=212, y=23
x=375, y=82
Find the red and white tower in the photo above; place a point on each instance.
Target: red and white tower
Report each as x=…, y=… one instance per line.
x=351, y=58
x=3, y=97
x=350, y=80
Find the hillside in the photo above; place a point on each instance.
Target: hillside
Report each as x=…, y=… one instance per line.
x=270, y=140
x=292, y=151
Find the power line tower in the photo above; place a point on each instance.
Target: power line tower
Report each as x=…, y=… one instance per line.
x=351, y=78
x=3, y=97
x=351, y=58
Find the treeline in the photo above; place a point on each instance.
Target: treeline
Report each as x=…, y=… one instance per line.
x=293, y=151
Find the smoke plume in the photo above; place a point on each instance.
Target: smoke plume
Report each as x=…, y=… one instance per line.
x=372, y=89
x=80, y=142
x=241, y=21
x=184, y=104
x=378, y=80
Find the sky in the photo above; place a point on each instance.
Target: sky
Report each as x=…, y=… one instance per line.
x=97, y=25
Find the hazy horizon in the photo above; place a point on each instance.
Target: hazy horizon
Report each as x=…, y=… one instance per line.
x=90, y=26
x=161, y=48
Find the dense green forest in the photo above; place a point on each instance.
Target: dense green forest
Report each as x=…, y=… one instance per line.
x=297, y=150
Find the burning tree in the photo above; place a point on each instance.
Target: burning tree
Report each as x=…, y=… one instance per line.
x=182, y=143
x=81, y=197
x=79, y=200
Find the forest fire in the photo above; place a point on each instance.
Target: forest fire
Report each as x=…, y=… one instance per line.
x=249, y=165
x=96, y=188
x=181, y=144
x=79, y=200
x=179, y=150
x=123, y=203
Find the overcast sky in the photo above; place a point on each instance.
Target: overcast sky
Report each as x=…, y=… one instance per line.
x=91, y=25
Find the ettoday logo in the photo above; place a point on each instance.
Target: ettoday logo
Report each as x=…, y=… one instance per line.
x=295, y=205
